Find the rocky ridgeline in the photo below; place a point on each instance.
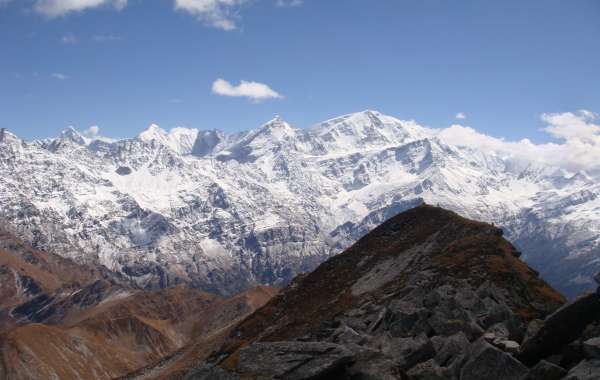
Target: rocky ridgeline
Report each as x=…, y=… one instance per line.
x=427, y=295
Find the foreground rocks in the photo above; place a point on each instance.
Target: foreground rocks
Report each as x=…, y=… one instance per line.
x=428, y=295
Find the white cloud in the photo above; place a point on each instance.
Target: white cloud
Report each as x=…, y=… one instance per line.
x=461, y=116
x=573, y=126
x=69, y=39
x=252, y=90
x=57, y=8
x=59, y=76
x=175, y=100
x=578, y=147
x=216, y=13
x=92, y=131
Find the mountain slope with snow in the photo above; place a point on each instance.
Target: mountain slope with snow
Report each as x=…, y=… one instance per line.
x=225, y=212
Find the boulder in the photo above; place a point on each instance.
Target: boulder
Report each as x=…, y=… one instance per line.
x=591, y=347
x=509, y=346
x=488, y=362
x=586, y=370
x=404, y=319
x=408, y=351
x=561, y=328
x=427, y=370
x=347, y=335
x=545, y=370
x=451, y=354
x=208, y=372
x=378, y=368
x=454, y=347
x=292, y=360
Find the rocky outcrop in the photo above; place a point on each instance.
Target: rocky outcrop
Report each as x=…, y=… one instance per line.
x=561, y=328
x=427, y=295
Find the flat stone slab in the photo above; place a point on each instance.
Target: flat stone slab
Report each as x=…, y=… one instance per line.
x=292, y=360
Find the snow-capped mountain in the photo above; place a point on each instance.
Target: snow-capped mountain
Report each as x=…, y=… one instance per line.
x=225, y=212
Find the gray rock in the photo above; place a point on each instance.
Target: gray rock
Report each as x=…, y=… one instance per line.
x=292, y=360
x=375, y=368
x=597, y=278
x=408, y=351
x=488, y=362
x=210, y=373
x=591, y=348
x=496, y=314
x=497, y=332
x=446, y=326
x=347, y=335
x=455, y=346
x=509, y=346
x=586, y=370
x=427, y=370
x=404, y=320
x=533, y=328
x=560, y=328
x=546, y=371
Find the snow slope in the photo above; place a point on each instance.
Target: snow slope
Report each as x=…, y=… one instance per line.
x=225, y=212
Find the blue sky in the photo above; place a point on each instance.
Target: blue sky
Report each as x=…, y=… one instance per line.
x=122, y=64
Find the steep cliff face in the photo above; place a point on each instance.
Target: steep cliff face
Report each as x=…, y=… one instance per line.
x=426, y=295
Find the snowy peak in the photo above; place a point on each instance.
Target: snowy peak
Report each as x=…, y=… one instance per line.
x=330, y=184
x=71, y=134
x=366, y=130
x=180, y=140
x=153, y=133
x=277, y=128
x=7, y=137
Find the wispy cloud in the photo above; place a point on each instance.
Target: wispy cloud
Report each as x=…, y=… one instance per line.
x=59, y=76
x=106, y=38
x=216, y=13
x=57, y=8
x=461, y=116
x=221, y=14
x=289, y=3
x=254, y=91
x=577, y=146
x=175, y=101
x=69, y=39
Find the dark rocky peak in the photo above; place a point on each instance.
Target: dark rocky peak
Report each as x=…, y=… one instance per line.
x=426, y=295
x=206, y=142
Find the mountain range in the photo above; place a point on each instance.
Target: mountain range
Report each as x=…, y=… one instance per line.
x=225, y=212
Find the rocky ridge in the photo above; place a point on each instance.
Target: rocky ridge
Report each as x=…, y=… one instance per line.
x=426, y=295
